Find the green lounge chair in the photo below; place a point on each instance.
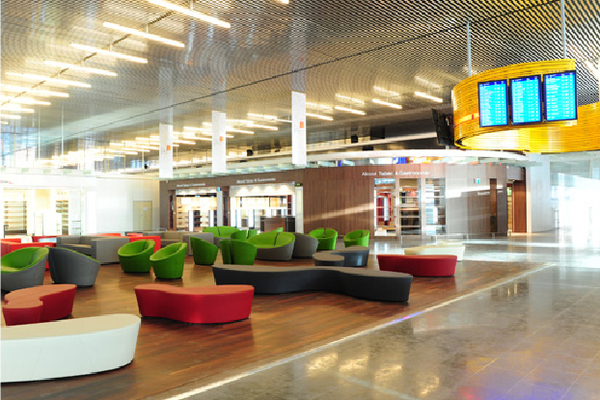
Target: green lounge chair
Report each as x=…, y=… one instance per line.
x=205, y=253
x=135, y=256
x=357, y=238
x=274, y=246
x=327, y=238
x=167, y=263
x=23, y=268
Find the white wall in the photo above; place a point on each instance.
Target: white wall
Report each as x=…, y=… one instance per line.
x=114, y=203
x=540, y=214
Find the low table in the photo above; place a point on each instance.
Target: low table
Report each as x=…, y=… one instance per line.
x=38, y=304
x=195, y=305
x=419, y=265
x=328, y=259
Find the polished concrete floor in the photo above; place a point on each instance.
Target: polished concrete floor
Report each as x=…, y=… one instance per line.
x=536, y=336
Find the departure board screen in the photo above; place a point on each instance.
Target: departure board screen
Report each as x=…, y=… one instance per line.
x=560, y=96
x=493, y=103
x=526, y=99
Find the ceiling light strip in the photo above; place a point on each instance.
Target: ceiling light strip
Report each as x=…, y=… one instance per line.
x=110, y=53
x=191, y=13
x=350, y=110
x=149, y=36
x=387, y=103
x=323, y=117
x=39, y=92
x=429, y=97
x=80, y=68
x=42, y=78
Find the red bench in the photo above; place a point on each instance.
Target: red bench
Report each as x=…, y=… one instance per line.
x=418, y=265
x=196, y=305
x=38, y=304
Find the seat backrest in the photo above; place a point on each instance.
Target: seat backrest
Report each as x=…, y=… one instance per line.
x=87, y=240
x=20, y=258
x=284, y=238
x=225, y=246
x=317, y=233
x=266, y=238
x=177, y=235
x=329, y=232
x=38, y=255
x=212, y=229
x=240, y=235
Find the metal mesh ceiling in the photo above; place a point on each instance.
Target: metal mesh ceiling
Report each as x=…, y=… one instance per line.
x=339, y=47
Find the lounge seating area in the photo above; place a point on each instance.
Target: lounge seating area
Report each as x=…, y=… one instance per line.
x=102, y=248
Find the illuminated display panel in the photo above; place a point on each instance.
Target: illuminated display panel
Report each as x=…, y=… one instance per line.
x=560, y=96
x=493, y=103
x=526, y=99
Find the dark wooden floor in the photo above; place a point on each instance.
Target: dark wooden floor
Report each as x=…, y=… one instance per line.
x=171, y=356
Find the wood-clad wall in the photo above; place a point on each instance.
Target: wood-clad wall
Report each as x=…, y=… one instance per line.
x=519, y=206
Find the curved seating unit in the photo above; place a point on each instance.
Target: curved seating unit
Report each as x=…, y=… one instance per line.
x=354, y=256
x=238, y=252
x=304, y=245
x=357, y=238
x=454, y=249
x=274, y=246
x=135, y=256
x=428, y=265
x=363, y=283
x=195, y=305
x=327, y=238
x=23, y=268
x=70, y=266
x=204, y=252
x=70, y=347
x=38, y=304
x=167, y=263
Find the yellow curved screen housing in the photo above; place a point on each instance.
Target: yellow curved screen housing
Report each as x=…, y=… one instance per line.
x=546, y=137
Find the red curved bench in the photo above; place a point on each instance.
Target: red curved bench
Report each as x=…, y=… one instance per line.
x=418, y=265
x=196, y=305
x=38, y=304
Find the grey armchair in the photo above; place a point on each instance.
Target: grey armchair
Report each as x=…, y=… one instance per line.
x=70, y=266
x=304, y=246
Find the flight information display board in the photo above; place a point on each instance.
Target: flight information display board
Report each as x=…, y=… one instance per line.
x=560, y=96
x=526, y=99
x=493, y=103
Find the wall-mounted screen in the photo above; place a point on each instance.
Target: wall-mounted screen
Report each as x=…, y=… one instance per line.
x=526, y=99
x=560, y=96
x=493, y=103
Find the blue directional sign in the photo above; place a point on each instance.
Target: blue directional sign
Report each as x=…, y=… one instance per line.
x=560, y=97
x=526, y=99
x=493, y=103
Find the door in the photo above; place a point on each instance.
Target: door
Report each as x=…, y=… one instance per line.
x=142, y=215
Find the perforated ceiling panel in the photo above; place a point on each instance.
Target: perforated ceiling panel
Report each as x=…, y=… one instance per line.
x=334, y=50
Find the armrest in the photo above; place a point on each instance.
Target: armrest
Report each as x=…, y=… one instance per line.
x=67, y=239
x=105, y=249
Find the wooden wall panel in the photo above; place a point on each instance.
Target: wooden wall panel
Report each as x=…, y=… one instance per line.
x=519, y=206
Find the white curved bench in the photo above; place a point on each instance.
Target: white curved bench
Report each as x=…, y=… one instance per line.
x=69, y=347
x=453, y=249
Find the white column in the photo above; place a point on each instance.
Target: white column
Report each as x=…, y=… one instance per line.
x=298, y=128
x=219, y=146
x=299, y=209
x=219, y=207
x=165, y=155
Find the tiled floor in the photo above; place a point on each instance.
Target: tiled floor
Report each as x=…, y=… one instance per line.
x=534, y=337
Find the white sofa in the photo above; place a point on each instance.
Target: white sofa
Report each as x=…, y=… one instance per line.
x=69, y=347
x=449, y=248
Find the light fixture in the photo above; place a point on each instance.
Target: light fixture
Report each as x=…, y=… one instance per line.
x=41, y=78
x=230, y=129
x=80, y=68
x=25, y=100
x=39, y=92
x=318, y=106
x=9, y=116
x=285, y=1
x=180, y=141
x=386, y=92
x=145, y=35
x=271, y=128
x=191, y=13
x=15, y=108
x=595, y=71
x=261, y=116
x=323, y=117
x=350, y=110
x=350, y=99
x=388, y=104
x=110, y=53
x=429, y=97
x=191, y=128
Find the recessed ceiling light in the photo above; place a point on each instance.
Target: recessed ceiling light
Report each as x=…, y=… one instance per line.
x=271, y=128
x=429, y=97
x=39, y=92
x=323, y=117
x=9, y=116
x=350, y=110
x=261, y=116
x=24, y=100
x=350, y=99
x=191, y=13
x=15, y=108
x=145, y=35
x=386, y=92
x=80, y=68
x=110, y=53
x=41, y=78
x=388, y=104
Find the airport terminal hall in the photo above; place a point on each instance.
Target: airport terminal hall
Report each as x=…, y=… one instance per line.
x=300, y=200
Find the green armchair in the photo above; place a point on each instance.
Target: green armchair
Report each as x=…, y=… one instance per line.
x=357, y=238
x=274, y=246
x=238, y=252
x=23, y=268
x=244, y=234
x=327, y=238
x=167, y=263
x=205, y=253
x=135, y=256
